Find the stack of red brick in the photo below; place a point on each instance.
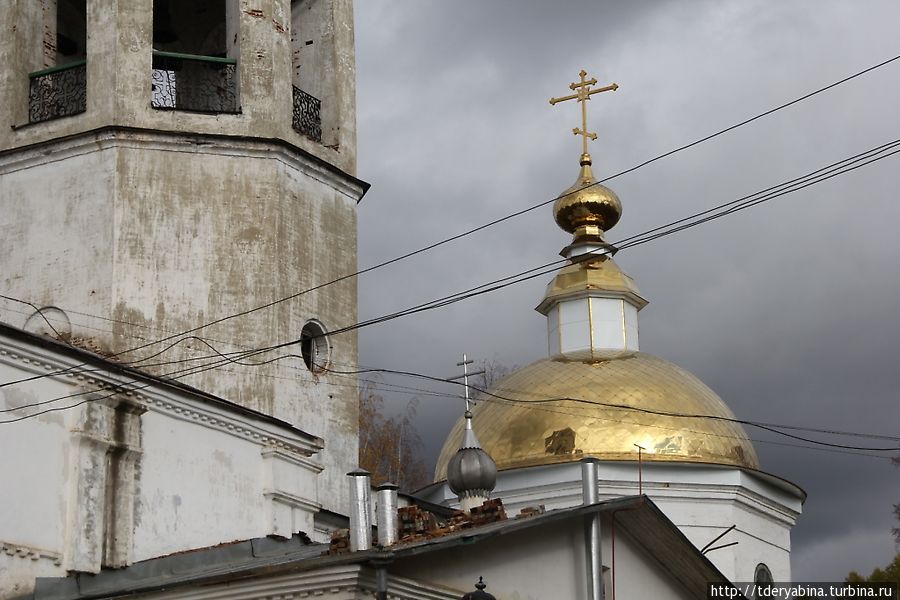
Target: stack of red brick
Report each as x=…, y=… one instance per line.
x=340, y=541
x=417, y=524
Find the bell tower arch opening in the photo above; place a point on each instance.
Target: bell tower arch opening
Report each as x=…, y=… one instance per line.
x=71, y=31
x=313, y=62
x=195, y=51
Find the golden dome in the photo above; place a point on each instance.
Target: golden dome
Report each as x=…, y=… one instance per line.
x=587, y=203
x=525, y=430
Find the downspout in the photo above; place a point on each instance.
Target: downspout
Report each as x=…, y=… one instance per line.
x=589, y=471
x=381, y=563
x=381, y=582
x=388, y=533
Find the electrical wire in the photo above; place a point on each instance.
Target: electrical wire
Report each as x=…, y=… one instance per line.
x=817, y=176
x=772, y=428
x=505, y=218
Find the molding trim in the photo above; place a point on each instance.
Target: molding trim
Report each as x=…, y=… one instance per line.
x=291, y=500
x=178, y=405
x=113, y=137
x=29, y=553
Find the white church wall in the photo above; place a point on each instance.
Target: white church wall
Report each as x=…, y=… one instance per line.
x=636, y=575
x=57, y=232
x=33, y=472
x=532, y=564
x=167, y=234
x=128, y=476
x=215, y=496
x=702, y=500
x=543, y=562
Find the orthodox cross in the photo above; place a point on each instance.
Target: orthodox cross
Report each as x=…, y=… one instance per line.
x=465, y=377
x=583, y=93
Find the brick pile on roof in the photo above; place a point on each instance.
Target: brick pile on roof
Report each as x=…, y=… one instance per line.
x=418, y=524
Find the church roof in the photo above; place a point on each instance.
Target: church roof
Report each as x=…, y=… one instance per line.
x=260, y=558
x=561, y=410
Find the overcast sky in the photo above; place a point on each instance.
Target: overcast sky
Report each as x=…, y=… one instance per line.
x=789, y=310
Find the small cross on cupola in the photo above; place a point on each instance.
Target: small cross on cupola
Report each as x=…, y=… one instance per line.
x=583, y=93
x=479, y=593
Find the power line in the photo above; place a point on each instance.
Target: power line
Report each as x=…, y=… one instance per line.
x=812, y=178
x=509, y=216
x=652, y=425
x=840, y=167
x=773, y=428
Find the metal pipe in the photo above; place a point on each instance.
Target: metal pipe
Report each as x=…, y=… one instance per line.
x=386, y=514
x=589, y=472
x=360, y=517
x=381, y=583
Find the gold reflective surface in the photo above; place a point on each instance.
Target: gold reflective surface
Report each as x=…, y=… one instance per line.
x=527, y=432
x=597, y=274
x=587, y=203
x=583, y=93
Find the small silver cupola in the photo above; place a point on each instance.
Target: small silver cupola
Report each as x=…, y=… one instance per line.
x=471, y=472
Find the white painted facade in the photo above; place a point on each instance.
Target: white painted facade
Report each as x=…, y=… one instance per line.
x=545, y=562
x=143, y=472
x=125, y=224
x=581, y=326
x=532, y=558
x=702, y=500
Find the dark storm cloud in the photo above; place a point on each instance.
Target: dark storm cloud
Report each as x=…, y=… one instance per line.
x=788, y=310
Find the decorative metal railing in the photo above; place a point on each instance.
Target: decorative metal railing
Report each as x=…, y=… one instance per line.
x=193, y=82
x=57, y=92
x=307, y=115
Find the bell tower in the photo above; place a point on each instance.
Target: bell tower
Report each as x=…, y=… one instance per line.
x=165, y=164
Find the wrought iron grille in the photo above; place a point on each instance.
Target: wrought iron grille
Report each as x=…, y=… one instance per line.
x=192, y=82
x=57, y=92
x=307, y=115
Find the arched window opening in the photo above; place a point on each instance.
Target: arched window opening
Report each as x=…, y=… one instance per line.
x=314, y=347
x=762, y=580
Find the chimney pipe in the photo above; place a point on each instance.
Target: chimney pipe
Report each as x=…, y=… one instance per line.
x=360, y=517
x=386, y=514
x=589, y=472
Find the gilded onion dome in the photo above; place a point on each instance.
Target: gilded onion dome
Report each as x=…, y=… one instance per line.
x=559, y=410
x=597, y=395
x=587, y=207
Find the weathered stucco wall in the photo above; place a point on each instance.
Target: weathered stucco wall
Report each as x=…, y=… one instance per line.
x=542, y=562
x=137, y=236
x=119, y=58
x=702, y=500
x=126, y=477
x=56, y=230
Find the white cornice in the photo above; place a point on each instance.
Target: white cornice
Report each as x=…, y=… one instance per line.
x=195, y=143
x=292, y=500
x=157, y=396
